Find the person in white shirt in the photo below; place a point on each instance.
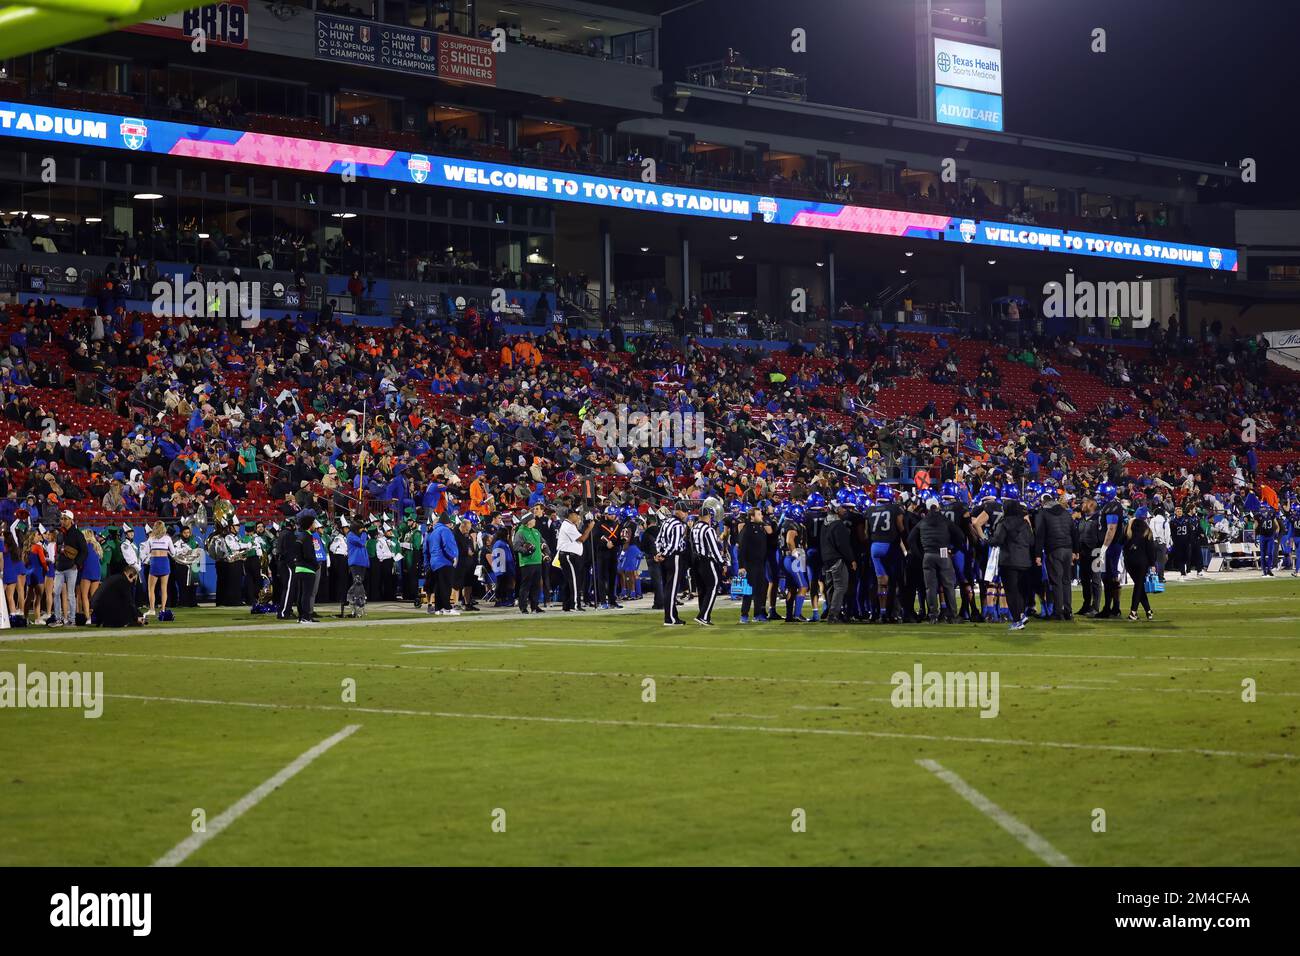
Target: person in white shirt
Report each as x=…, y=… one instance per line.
x=158, y=547
x=569, y=545
x=1163, y=539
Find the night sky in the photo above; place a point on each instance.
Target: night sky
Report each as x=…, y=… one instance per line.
x=1210, y=80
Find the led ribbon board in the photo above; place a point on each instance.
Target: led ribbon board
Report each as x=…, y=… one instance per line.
x=266, y=150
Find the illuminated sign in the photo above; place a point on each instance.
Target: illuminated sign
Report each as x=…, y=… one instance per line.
x=967, y=108
x=968, y=66
x=265, y=150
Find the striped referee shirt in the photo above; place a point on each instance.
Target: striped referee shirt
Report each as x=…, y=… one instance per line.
x=705, y=540
x=671, y=539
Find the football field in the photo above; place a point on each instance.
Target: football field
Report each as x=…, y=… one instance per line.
x=605, y=738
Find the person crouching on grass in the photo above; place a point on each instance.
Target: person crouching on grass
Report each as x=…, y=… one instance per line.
x=114, y=603
x=1139, y=559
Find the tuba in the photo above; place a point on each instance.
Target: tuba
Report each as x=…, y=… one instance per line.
x=223, y=518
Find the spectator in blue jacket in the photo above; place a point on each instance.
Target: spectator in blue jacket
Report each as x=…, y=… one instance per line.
x=440, y=555
x=358, y=563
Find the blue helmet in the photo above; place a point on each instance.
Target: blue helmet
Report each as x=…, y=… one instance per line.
x=846, y=497
x=949, y=490
x=815, y=500
x=1142, y=513
x=779, y=511
x=627, y=512
x=861, y=500
x=765, y=505
x=613, y=511
x=1106, y=491
x=1033, y=491
x=884, y=493
x=740, y=506
x=1048, y=496
x=988, y=493
x=794, y=511
x=1010, y=493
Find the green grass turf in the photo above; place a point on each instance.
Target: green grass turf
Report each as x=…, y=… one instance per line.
x=709, y=773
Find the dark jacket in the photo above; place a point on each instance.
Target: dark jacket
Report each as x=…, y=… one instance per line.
x=1014, y=538
x=836, y=541
x=74, y=539
x=933, y=533
x=1089, y=532
x=1139, y=555
x=114, y=602
x=751, y=550
x=304, y=554
x=1055, y=529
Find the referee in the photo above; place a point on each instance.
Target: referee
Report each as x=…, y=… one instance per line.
x=570, y=542
x=708, y=565
x=670, y=551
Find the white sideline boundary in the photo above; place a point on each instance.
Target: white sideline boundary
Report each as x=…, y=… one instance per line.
x=703, y=678
x=669, y=725
x=1031, y=841
x=183, y=850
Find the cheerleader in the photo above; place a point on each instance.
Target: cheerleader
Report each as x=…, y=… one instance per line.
x=91, y=572
x=629, y=564
x=158, y=547
x=40, y=586
x=15, y=572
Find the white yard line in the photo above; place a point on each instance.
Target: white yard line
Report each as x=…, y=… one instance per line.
x=183, y=850
x=1031, y=841
x=704, y=678
x=664, y=725
x=748, y=716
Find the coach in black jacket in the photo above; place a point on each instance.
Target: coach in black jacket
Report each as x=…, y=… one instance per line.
x=935, y=538
x=751, y=555
x=1014, y=539
x=1056, y=541
x=838, y=561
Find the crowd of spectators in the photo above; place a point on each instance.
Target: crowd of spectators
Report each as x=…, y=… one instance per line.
x=307, y=410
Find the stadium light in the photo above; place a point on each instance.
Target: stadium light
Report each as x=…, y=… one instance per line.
x=645, y=248
x=733, y=238
x=90, y=219
x=42, y=215
x=993, y=262
x=740, y=255
x=147, y=196
x=909, y=254
x=203, y=235
x=820, y=264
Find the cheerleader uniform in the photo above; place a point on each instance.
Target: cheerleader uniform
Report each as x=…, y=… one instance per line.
x=14, y=569
x=160, y=555
x=90, y=571
x=37, y=565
